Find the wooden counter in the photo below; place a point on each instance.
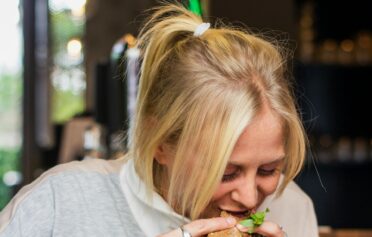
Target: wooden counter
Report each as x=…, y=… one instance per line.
x=346, y=233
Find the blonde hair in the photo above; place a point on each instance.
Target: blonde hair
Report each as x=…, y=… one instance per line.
x=198, y=94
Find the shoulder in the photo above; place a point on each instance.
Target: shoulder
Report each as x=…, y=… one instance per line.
x=88, y=165
x=294, y=210
x=293, y=199
x=72, y=170
x=65, y=178
x=80, y=168
x=293, y=194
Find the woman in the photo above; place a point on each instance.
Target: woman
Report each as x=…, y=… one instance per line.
x=216, y=129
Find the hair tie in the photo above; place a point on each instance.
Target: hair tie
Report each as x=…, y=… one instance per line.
x=200, y=29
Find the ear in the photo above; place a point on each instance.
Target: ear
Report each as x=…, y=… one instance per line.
x=162, y=155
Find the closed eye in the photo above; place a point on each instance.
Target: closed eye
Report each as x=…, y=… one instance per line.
x=231, y=175
x=267, y=172
x=271, y=169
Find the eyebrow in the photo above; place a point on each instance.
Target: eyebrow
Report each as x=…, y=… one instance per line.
x=277, y=160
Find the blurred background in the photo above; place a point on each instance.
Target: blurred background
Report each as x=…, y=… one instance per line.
x=68, y=77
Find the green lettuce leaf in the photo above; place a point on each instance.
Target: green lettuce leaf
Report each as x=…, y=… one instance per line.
x=254, y=220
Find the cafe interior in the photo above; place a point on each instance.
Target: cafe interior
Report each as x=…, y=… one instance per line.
x=69, y=75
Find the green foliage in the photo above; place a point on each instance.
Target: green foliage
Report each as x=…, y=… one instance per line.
x=10, y=91
x=66, y=105
x=63, y=28
x=9, y=160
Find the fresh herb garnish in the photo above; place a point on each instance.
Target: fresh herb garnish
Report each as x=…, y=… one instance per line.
x=254, y=220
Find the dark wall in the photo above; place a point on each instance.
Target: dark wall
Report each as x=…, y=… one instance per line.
x=342, y=19
x=106, y=22
x=259, y=14
x=341, y=193
x=335, y=99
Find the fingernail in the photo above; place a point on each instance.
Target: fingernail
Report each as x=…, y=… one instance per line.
x=230, y=220
x=242, y=228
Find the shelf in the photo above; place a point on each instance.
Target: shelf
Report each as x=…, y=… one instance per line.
x=326, y=66
x=341, y=164
x=335, y=99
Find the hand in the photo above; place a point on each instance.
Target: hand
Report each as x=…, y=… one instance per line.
x=267, y=229
x=203, y=227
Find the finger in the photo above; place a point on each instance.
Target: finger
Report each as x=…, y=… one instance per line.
x=205, y=226
x=173, y=233
x=268, y=229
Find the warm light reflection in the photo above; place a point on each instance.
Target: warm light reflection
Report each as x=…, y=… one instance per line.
x=347, y=45
x=130, y=39
x=78, y=12
x=73, y=5
x=74, y=47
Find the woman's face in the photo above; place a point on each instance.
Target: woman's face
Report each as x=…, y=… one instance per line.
x=254, y=168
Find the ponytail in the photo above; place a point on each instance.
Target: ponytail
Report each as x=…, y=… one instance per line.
x=169, y=25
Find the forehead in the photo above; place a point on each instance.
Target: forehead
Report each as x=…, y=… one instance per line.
x=262, y=140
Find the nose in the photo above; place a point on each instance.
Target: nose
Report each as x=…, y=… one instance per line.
x=246, y=193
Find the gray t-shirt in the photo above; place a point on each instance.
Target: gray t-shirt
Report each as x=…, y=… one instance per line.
x=75, y=199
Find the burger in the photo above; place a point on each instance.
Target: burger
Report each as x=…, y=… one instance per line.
x=231, y=232
x=252, y=221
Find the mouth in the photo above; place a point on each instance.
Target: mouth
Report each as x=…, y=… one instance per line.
x=241, y=214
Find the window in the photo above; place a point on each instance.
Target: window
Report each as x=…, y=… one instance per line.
x=67, y=19
x=10, y=97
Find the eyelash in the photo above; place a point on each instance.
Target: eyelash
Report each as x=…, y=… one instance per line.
x=261, y=172
x=229, y=177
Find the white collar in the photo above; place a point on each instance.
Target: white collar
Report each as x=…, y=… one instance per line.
x=154, y=216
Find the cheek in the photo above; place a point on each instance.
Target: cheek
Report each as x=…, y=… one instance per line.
x=267, y=185
x=222, y=190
